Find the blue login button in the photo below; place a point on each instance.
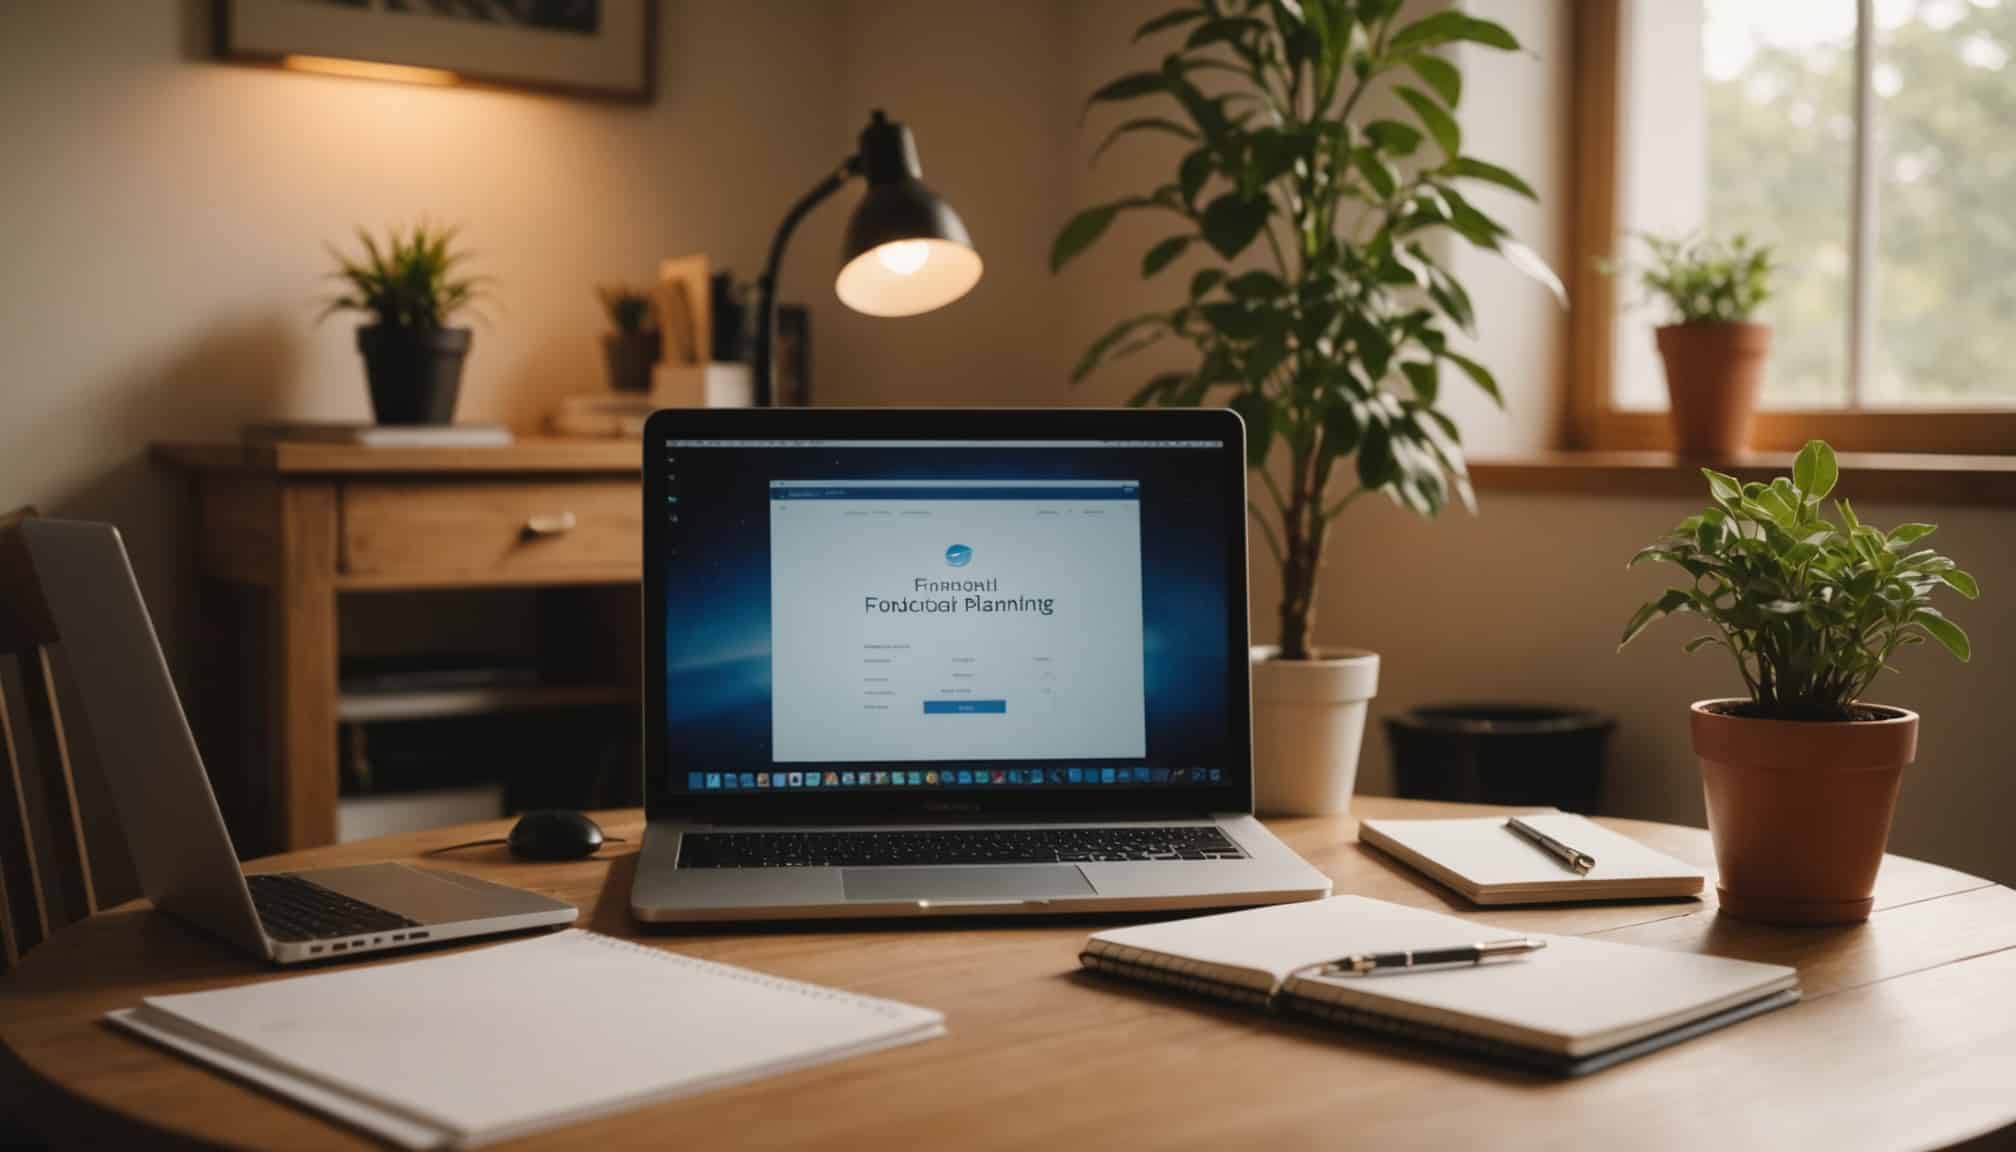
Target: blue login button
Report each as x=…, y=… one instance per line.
x=965, y=707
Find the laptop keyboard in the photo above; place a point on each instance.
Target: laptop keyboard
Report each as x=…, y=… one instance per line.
x=291, y=908
x=953, y=846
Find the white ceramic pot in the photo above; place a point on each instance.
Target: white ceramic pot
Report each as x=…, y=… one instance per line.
x=1308, y=723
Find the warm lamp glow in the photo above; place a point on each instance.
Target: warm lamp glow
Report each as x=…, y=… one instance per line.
x=369, y=70
x=904, y=256
x=906, y=277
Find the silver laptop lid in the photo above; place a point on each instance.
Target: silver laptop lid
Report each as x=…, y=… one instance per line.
x=145, y=751
x=920, y=615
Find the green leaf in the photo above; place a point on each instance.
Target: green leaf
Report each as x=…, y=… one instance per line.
x=1376, y=172
x=1143, y=124
x=1157, y=388
x=1443, y=78
x=1472, y=168
x=1422, y=376
x=1960, y=582
x=1132, y=86
x=1162, y=253
x=1193, y=172
x=1393, y=137
x=1258, y=284
x=1258, y=413
x=1700, y=642
x=1814, y=470
x=1204, y=281
x=1376, y=465
x=1449, y=26
x=1234, y=321
x=1340, y=428
x=1224, y=31
x=1529, y=262
x=1904, y=535
x=1847, y=514
x=1085, y=228
x=1944, y=631
x=1231, y=223
x=1478, y=374
x=1105, y=344
x=1435, y=118
x=1725, y=488
x=1669, y=602
x=1168, y=20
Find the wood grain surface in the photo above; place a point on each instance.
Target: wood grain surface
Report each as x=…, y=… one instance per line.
x=1906, y=1038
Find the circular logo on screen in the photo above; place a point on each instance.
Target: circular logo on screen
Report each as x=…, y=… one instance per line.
x=958, y=555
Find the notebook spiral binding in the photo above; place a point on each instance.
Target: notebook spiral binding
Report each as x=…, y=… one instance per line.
x=746, y=976
x=1170, y=971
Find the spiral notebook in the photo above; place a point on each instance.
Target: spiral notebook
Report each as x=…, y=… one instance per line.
x=1575, y=1007
x=466, y=1049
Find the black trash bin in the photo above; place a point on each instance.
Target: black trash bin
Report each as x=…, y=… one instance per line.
x=1500, y=753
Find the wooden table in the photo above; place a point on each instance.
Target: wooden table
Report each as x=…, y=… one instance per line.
x=1906, y=1038
x=299, y=524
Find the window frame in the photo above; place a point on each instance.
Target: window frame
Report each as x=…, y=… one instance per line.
x=1593, y=422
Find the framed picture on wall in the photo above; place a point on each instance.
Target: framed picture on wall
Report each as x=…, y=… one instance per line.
x=604, y=49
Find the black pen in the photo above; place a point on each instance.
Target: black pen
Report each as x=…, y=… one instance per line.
x=1574, y=858
x=1364, y=962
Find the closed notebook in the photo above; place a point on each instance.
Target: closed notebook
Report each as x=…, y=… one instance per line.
x=1491, y=865
x=1572, y=1008
x=468, y=1048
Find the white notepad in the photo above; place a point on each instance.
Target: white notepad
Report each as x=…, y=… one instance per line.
x=1575, y=1006
x=1490, y=865
x=475, y=1047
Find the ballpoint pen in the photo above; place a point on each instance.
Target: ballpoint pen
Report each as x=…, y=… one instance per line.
x=1363, y=962
x=1574, y=858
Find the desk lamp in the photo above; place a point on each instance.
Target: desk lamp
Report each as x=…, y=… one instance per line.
x=906, y=250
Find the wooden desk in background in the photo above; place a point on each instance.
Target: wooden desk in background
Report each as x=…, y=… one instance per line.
x=303, y=523
x=1905, y=1040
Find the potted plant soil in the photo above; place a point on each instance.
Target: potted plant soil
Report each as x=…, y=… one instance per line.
x=1713, y=352
x=632, y=349
x=1317, y=301
x=410, y=286
x=1801, y=776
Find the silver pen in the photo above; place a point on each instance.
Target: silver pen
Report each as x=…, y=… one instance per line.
x=1574, y=858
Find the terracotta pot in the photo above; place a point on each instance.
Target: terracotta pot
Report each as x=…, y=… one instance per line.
x=1308, y=725
x=1713, y=375
x=1800, y=811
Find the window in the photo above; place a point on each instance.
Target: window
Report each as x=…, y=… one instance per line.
x=1864, y=139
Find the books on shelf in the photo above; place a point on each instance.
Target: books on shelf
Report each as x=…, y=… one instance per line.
x=1576, y=1006
x=381, y=435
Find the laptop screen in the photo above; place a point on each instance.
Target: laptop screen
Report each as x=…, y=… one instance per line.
x=844, y=616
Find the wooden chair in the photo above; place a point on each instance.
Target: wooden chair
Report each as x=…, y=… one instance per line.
x=32, y=905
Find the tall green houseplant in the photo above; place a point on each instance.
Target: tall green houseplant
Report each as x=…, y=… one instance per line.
x=1324, y=319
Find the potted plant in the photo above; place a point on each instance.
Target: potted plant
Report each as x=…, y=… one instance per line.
x=1320, y=313
x=634, y=346
x=1713, y=352
x=410, y=287
x=1801, y=777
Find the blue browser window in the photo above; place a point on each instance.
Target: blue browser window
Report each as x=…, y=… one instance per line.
x=952, y=615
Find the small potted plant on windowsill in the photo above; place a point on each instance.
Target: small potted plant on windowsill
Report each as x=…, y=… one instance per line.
x=1801, y=778
x=1714, y=353
x=634, y=346
x=410, y=288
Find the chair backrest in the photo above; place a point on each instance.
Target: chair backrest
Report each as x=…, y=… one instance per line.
x=33, y=904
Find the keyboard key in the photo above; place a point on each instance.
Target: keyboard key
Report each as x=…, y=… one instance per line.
x=954, y=846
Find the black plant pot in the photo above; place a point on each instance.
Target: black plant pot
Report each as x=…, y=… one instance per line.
x=631, y=357
x=1489, y=753
x=415, y=373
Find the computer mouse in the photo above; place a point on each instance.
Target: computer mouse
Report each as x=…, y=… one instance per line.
x=554, y=834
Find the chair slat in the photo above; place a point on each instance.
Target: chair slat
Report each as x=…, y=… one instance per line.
x=71, y=859
x=24, y=916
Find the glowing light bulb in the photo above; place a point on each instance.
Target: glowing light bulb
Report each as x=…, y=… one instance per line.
x=904, y=256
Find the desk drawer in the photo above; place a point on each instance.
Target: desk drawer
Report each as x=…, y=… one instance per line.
x=493, y=531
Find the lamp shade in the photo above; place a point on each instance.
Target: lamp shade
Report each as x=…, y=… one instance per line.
x=906, y=250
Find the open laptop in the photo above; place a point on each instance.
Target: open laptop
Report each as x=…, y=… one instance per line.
x=907, y=663
x=169, y=816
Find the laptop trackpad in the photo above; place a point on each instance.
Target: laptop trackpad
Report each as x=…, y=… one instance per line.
x=994, y=883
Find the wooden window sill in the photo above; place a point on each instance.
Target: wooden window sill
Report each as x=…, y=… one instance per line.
x=1870, y=477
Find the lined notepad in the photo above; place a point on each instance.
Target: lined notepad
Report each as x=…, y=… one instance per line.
x=1572, y=1008
x=466, y=1049
x=1490, y=865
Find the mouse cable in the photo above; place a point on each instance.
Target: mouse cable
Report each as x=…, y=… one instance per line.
x=500, y=840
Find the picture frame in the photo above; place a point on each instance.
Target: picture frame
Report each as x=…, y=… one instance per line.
x=594, y=49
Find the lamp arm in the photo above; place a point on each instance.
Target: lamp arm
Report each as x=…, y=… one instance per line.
x=766, y=285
